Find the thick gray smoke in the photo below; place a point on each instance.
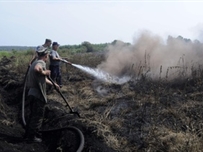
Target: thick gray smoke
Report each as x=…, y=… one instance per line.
x=149, y=55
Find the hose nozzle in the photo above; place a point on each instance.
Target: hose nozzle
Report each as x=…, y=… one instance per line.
x=65, y=61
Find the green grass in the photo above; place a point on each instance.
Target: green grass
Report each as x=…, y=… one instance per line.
x=5, y=53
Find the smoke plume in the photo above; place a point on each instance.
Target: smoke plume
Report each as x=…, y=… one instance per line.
x=149, y=55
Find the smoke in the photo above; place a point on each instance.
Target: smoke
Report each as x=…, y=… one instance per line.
x=150, y=55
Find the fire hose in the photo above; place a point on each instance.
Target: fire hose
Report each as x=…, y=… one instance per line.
x=65, y=61
x=77, y=132
x=23, y=97
x=71, y=110
x=24, y=89
x=73, y=129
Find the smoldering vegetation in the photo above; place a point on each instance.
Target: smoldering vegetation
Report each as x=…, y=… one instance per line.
x=150, y=56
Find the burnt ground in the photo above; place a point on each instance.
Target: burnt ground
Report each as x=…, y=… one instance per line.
x=137, y=116
x=57, y=116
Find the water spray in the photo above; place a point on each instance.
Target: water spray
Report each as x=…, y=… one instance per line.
x=101, y=75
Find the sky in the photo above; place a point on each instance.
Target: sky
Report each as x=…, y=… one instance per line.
x=30, y=22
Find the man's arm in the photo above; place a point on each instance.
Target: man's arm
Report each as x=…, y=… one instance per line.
x=50, y=83
x=54, y=57
x=38, y=68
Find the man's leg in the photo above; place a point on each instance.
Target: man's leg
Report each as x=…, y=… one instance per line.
x=35, y=119
x=53, y=70
x=58, y=76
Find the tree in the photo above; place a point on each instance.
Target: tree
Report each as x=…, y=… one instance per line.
x=88, y=45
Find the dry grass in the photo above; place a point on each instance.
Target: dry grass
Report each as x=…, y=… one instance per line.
x=143, y=115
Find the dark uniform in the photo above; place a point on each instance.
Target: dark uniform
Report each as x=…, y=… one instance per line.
x=55, y=66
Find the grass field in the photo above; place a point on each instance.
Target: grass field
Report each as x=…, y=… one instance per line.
x=144, y=114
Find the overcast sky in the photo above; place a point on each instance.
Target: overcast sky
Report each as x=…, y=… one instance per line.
x=28, y=23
